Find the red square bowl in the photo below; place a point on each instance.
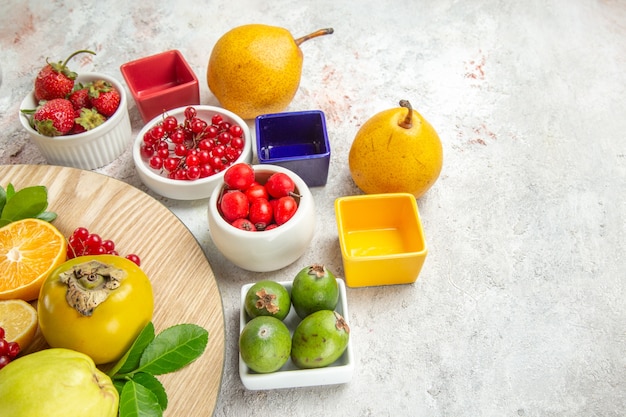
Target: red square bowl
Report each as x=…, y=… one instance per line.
x=161, y=82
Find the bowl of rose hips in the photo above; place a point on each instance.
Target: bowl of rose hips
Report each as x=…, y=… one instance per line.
x=183, y=153
x=261, y=217
x=86, y=125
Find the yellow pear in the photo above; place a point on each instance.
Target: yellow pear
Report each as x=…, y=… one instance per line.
x=396, y=150
x=255, y=69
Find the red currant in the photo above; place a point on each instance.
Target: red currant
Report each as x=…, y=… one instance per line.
x=211, y=132
x=81, y=233
x=13, y=350
x=169, y=124
x=82, y=242
x=190, y=113
x=134, y=258
x=198, y=125
x=237, y=142
x=4, y=361
x=216, y=119
x=157, y=132
x=93, y=241
x=224, y=138
x=235, y=131
x=156, y=162
x=177, y=137
x=170, y=164
x=108, y=245
x=169, y=139
x=163, y=153
x=147, y=151
x=193, y=172
x=180, y=150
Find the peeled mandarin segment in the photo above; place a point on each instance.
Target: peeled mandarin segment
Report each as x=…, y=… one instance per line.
x=29, y=250
x=19, y=321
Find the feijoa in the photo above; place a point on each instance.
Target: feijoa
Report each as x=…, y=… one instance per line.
x=267, y=298
x=265, y=344
x=314, y=288
x=319, y=340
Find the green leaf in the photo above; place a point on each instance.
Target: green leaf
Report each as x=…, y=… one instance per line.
x=3, y=198
x=119, y=385
x=47, y=216
x=25, y=203
x=130, y=361
x=173, y=349
x=154, y=385
x=10, y=191
x=138, y=401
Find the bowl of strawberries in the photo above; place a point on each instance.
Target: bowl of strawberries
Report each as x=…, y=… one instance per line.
x=77, y=120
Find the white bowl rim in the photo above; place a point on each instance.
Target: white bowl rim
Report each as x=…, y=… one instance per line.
x=93, y=132
x=141, y=165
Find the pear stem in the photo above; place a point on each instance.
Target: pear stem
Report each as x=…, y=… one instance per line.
x=407, y=123
x=315, y=34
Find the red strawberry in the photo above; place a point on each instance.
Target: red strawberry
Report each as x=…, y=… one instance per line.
x=54, y=117
x=55, y=80
x=80, y=97
x=104, y=97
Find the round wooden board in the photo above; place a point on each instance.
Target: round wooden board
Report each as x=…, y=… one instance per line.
x=184, y=286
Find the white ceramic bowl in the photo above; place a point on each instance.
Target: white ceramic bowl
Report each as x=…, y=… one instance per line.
x=88, y=150
x=268, y=250
x=194, y=189
x=290, y=376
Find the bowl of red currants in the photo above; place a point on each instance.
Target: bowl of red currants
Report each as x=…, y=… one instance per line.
x=183, y=153
x=261, y=217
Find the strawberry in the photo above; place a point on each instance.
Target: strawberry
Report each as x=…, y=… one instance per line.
x=104, y=97
x=80, y=97
x=55, y=80
x=54, y=117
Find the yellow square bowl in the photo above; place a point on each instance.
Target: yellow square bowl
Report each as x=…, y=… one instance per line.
x=381, y=238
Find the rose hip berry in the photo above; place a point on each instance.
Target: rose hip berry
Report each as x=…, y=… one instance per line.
x=239, y=177
x=249, y=205
x=280, y=185
x=285, y=209
x=234, y=205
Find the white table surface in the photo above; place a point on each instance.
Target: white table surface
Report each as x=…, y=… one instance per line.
x=519, y=310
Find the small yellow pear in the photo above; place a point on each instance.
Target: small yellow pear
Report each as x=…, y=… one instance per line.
x=396, y=150
x=255, y=69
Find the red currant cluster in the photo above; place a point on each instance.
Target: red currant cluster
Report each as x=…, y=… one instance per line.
x=82, y=243
x=249, y=205
x=8, y=350
x=194, y=148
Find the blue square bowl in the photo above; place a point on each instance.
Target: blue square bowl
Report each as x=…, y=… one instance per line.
x=297, y=141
